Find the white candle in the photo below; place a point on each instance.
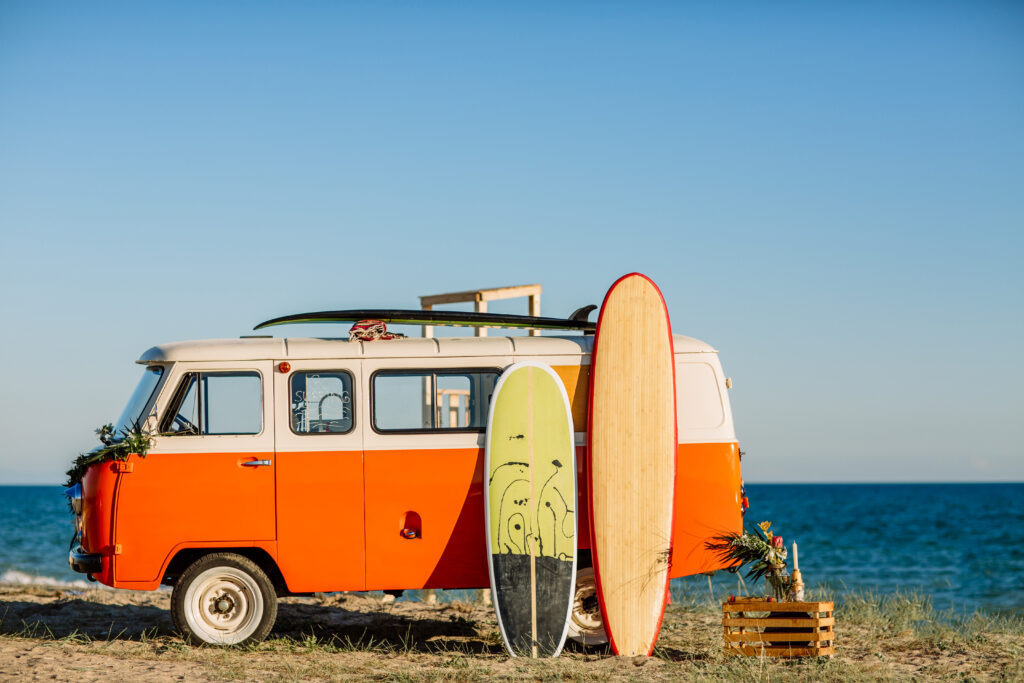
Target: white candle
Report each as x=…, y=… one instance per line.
x=796, y=560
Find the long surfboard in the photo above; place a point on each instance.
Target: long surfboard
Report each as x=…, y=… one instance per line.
x=530, y=509
x=632, y=462
x=450, y=318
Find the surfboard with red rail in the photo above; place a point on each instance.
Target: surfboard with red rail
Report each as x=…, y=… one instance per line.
x=632, y=462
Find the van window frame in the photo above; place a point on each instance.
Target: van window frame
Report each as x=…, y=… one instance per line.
x=430, y=371
x=352, y=390
x=178, y=395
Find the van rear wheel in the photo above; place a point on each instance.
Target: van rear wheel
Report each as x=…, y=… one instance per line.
x=585, y=623
x=224, y=599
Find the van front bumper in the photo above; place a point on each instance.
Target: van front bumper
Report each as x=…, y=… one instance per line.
x=83, y=562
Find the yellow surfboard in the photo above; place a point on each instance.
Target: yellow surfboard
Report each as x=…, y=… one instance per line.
x=632, y=462
x=530, y=509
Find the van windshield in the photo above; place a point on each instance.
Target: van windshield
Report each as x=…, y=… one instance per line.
x=132, y=414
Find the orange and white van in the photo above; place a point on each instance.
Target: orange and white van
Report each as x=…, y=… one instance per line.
x=285, y=466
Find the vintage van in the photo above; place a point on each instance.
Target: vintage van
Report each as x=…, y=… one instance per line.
x=286, y=466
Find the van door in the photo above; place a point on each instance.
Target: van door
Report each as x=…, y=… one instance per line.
x=423, y=459
x=208, y=478
x=320, y=476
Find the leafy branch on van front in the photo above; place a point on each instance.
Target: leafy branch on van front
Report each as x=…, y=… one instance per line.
x=132, y=440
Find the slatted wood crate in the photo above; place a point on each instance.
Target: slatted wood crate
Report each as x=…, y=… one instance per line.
x=778, y=629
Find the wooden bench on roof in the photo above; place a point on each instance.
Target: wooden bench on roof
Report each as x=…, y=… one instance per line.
x=479, y=299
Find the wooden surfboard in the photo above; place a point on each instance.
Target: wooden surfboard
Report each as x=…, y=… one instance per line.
x=632, y=462
x=530, y=509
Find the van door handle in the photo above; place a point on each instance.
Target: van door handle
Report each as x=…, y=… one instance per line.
x=257, y=463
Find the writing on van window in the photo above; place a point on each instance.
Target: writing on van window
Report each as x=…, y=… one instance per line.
x=321, y=402
x=426, y=400
x=216, y=403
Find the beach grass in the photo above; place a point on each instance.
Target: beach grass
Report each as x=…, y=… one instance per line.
x=100, y=633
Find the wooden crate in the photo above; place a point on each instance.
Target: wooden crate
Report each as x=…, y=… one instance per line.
x=778, y=629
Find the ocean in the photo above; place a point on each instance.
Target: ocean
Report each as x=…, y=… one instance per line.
x=960, y=544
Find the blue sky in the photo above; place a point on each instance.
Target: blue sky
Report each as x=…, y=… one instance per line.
x=829, y=193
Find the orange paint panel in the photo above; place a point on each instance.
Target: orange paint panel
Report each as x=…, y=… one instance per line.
x=576, y=379
x=444, y=488
x=98, y=487
x=269, y=546
x=707, y=504
x=172, y=499
x=320, y=520
x=175, y=500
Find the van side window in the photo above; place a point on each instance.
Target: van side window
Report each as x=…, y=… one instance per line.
x=432, y=400
x=321, y=402
x=216, y=403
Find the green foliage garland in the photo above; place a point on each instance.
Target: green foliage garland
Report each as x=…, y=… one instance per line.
x=132, y=440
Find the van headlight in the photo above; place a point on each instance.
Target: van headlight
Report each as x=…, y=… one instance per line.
x=74, y=494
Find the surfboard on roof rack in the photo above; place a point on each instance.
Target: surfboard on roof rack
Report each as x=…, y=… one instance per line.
x=578, y=320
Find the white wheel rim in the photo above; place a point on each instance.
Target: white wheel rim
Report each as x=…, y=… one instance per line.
x=585, y=624
x=223, y=605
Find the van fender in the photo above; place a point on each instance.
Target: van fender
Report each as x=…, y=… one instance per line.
x=263, y=553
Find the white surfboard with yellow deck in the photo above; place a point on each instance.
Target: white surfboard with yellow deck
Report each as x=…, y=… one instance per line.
x=530, y=508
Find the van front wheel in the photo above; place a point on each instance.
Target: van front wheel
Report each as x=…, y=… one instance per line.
x=224, y=599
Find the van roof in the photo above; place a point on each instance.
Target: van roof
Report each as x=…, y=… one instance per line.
x=275, y=348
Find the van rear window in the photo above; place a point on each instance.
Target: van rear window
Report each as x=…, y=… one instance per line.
x=432, y=400
x=321, y=402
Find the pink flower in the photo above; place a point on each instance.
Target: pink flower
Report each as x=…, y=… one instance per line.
x=777, y=541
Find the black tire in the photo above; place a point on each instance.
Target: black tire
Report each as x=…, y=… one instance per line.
x=224, y=599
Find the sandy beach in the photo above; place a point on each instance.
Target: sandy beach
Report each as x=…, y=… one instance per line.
x=91, y=635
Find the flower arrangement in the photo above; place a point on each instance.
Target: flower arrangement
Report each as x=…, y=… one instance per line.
x=132, y=440
x=761, y=549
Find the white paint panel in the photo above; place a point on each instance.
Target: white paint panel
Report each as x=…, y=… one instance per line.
x=702, y=400
x=323, y=348
x=474, y=346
